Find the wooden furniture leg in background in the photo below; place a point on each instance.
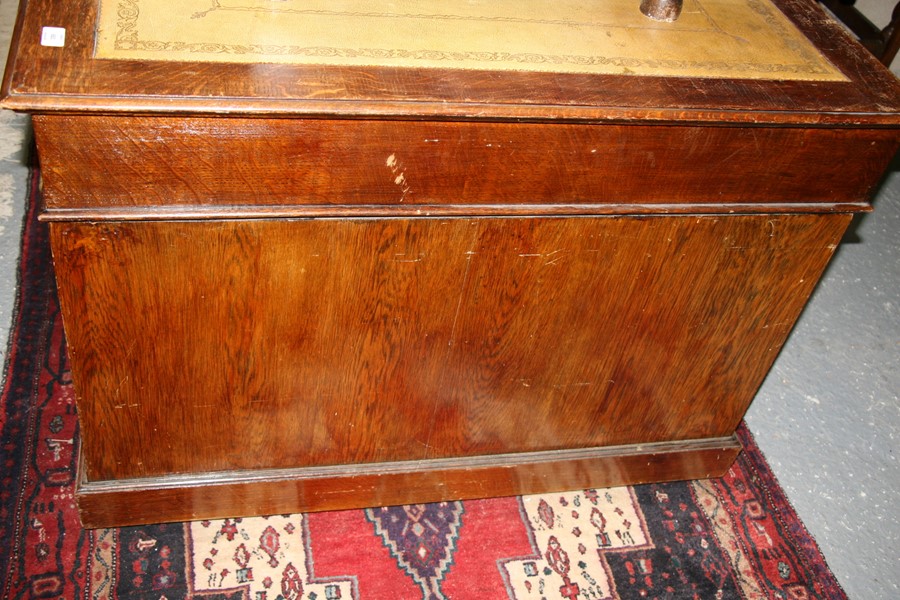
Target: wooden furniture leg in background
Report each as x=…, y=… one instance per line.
x=883, y=43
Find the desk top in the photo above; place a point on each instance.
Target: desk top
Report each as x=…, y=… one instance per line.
x=759, y=61
x=712, y=39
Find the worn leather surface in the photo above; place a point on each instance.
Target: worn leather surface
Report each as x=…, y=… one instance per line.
x=713, y=38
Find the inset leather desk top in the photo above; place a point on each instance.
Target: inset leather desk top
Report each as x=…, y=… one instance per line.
x=713, y=38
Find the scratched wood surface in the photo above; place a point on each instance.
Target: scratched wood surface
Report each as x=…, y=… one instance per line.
x=96, y=162
x=275, y=344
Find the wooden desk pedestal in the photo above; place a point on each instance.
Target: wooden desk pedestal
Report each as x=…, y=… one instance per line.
x=296, y=287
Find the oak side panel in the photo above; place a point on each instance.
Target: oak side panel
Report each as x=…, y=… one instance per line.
x=223, y=345
x=105, y=161
x=209, y=496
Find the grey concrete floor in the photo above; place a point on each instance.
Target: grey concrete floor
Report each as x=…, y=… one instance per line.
x=14, y=131
x=828, y=415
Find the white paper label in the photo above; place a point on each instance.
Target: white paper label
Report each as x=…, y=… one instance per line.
x=53, y=36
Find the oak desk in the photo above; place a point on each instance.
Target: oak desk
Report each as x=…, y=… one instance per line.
x=312, y=259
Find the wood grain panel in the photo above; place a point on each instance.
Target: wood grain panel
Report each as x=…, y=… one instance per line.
x=97, y=162
x=232, y=494
x=222, y=345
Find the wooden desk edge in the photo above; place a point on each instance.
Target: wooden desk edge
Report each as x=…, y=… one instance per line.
x=205, y=213
x=440, y=111
x=238, y=493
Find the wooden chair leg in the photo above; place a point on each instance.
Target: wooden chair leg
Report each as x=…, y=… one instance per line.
x=892, y=37
x=883, y=43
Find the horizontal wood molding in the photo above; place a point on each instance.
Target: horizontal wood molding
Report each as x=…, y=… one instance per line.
x=263, y=492
x=102, y=162
x=204, y=213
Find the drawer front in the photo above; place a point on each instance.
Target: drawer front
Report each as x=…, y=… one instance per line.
x=172, y=164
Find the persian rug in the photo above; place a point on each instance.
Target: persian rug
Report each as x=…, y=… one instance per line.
x=734, y=537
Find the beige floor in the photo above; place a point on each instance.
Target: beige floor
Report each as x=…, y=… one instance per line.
x=827, y=417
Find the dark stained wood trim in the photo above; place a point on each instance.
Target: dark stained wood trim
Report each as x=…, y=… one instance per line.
x=445, y=111
x=246, y=493
x=203, y=213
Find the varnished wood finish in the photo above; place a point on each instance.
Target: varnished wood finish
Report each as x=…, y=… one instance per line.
x=280, y=344
x=220, y=495
x=168, y=213
x=48, y=79
x=157, y=161
x=309, y=288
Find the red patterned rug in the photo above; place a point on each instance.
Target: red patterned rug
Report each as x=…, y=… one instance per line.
x=735, y=537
